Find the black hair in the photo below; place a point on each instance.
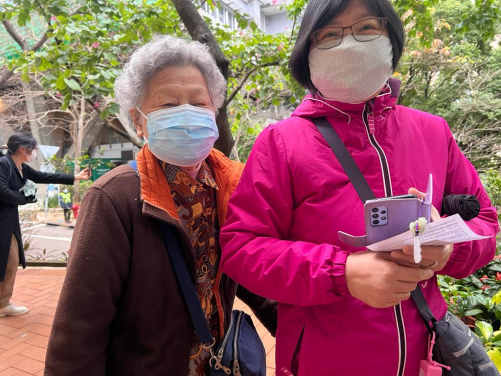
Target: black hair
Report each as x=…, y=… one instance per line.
x=20, y=139
x=319, y=13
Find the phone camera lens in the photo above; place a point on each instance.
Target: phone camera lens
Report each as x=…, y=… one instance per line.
x=383, y=212
x=384, y=218
x=375, y=210
x=375, y=222
x=375, y=216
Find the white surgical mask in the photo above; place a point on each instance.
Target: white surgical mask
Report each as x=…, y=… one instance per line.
x=32, y=156
x=182, y=136
x=352, y=72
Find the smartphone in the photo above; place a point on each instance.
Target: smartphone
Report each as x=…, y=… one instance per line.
x=391, y=216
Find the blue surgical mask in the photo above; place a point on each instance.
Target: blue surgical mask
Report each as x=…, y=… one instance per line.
x=182, y=136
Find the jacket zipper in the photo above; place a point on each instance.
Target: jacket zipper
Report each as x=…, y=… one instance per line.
x=218, y=359
x=369, y=122
x=236, y=364
x=220, y=353
x=294, y=362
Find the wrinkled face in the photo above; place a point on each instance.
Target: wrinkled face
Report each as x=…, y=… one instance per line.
x=172, y=87
x=355, y=12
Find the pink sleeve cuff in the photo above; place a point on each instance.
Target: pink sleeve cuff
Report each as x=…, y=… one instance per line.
x=337, y=273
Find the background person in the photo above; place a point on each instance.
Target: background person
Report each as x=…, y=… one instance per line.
x=66, y=204
x=14, y=172
x=344, y=310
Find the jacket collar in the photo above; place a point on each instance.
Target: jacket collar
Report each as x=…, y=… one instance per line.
x=155, y=190
x=317, y=106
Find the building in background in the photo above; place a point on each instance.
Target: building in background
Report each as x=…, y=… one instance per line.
x=267, y=14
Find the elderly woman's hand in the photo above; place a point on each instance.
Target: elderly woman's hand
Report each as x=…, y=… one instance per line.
x=434, y=257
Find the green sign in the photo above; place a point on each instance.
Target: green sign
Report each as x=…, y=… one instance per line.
x=99, y=170
x=98, y=166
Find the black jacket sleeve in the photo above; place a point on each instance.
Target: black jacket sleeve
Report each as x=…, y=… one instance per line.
x=8, y=195
x=266, y=310
x=45, y=178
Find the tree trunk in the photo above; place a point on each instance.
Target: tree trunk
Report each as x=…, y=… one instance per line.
x=78, y=142
x=200, y=32
x=32, y=117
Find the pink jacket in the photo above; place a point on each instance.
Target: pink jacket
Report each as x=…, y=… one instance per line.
x=281, y=236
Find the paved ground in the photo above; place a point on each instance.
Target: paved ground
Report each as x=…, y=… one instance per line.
x=23, y=339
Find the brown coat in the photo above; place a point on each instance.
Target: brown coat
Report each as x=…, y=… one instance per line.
x=120, y=311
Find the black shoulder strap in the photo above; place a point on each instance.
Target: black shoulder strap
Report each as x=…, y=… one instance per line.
x=184, y=280
x=186, y=284
x=365, y=193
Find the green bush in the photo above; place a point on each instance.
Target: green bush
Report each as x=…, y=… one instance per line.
x=472, y=296
x=53, y=202
x=492, y=183
x=478, y=298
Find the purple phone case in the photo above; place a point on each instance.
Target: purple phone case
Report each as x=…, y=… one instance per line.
x=400, y=213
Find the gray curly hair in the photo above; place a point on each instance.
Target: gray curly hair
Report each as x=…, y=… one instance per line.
x=162, y=52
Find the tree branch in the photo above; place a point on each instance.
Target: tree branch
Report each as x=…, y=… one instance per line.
x=40, y=42
x=292, y=30
x=240, y=85
x=245, y=78
x=6, y=73
x=15, y=35
x=199, y=31
x=113, y=127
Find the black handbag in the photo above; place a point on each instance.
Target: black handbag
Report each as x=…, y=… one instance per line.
x=241, y=351
x=455, y=345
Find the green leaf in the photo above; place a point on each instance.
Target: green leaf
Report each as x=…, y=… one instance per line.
x=109, y=56
x=114, y=108
x=495, y=356
x=66, y=102
x=73, y=85
x=25, y=76
x=496, y=336
x=496, y=299
x=60, y=83
x=495, y=267
x=484, y=330
x=473, y=312
x=103, y=114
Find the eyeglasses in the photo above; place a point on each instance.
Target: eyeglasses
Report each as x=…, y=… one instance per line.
x=363, y=31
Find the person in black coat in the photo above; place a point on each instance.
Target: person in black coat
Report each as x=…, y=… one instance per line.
x=14, y=172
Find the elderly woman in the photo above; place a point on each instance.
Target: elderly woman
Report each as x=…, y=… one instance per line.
x=342, y=309
x=121, y=311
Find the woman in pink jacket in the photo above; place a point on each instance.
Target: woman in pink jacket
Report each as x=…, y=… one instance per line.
x=342, y=310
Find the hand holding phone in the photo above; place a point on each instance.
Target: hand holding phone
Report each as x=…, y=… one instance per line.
x=390, y=216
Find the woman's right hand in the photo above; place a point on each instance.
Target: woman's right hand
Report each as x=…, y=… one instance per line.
x=380, y=283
